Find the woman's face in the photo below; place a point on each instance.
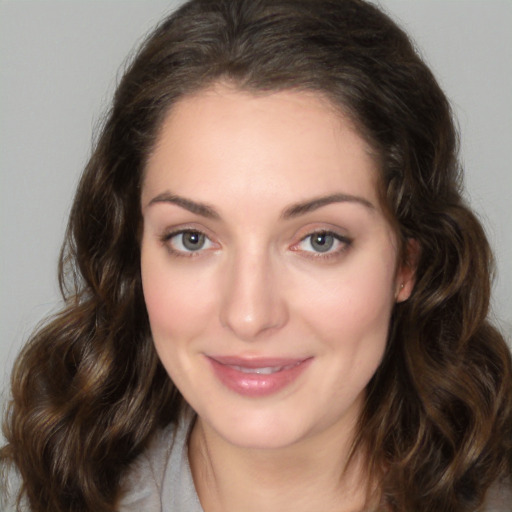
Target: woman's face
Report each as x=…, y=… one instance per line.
x=269, y=269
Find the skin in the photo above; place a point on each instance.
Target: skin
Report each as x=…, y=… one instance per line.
x=259, y=288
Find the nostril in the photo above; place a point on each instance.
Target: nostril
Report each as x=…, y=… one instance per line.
x=250, y=309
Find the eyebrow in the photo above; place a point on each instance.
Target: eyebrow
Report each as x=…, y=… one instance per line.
x=295, y=210
x=202, y=209
x=313, y=204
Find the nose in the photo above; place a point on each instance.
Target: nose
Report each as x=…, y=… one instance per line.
x=253, y=303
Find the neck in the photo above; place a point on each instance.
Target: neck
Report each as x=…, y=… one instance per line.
x=313, y=474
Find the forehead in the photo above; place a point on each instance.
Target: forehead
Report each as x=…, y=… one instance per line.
x=295, y=143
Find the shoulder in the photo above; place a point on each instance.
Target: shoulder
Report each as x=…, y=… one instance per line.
x=10, y=486
x=499, y=498
x=160, y=480
x=164, y=460
x=142, y=485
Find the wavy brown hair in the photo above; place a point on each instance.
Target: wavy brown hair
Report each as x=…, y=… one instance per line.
x=88, y=391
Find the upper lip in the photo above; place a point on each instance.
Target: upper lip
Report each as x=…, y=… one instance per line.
x=258, y=362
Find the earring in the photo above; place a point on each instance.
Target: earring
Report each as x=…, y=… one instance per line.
x=398, y=293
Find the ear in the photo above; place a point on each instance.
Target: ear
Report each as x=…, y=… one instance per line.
x=406, y=272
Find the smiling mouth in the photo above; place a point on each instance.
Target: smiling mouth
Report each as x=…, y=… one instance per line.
x=266, y=370
x=257, y=377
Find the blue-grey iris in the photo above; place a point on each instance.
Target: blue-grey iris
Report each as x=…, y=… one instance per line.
x=322, y=242
x=193, y=240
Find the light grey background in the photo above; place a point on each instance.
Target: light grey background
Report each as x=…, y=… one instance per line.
x=59, y=61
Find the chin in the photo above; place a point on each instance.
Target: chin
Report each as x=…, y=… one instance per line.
x=262, y=429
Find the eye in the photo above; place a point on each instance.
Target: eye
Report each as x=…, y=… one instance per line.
x=187, y=241
x=323, y=243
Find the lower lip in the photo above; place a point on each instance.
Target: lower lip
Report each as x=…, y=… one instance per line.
x=254, y=384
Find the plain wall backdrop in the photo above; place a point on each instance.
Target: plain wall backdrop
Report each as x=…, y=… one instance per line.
x=59, y=63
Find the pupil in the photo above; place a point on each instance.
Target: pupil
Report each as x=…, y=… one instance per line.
x=322, y=242
x=193, y=241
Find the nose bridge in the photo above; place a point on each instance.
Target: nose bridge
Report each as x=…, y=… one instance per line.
x=252, y=301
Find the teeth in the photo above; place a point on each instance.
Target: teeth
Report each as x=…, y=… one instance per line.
x=267, y=370
x=259, y=371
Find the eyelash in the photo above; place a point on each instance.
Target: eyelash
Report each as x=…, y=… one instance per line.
x=167, y=237
x=343, y=241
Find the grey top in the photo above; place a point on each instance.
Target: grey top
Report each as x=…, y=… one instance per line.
x=160, y=479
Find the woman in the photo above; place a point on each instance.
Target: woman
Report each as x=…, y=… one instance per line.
x=275, y=296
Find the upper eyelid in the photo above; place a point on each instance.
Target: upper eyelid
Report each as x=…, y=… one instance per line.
x=170, y=232
x=185, y=228
x=179, y=231
x=166, y=240
x=166, y=235
x=343, y=240
x=336, y=235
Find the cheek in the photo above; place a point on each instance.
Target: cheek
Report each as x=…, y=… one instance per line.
x=353, y=307
x=351, y=318
x=178, y=305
